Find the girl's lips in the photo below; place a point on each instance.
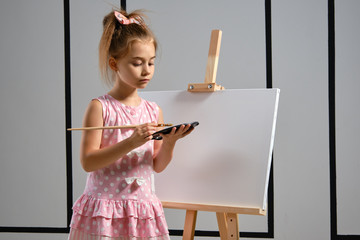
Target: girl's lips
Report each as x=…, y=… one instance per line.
x=144, y=80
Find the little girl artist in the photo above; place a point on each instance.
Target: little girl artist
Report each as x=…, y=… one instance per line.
x=119, y=202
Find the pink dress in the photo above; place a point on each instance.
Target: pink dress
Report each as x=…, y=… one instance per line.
x=119, y=201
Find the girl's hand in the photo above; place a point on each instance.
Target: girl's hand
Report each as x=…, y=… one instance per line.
x=176, y=134
x=143, y=133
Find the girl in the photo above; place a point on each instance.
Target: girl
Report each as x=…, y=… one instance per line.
x=119, y=202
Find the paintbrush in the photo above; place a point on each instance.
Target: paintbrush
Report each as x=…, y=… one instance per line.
x=116, y=127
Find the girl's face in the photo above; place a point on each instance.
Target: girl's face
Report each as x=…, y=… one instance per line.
x=137, y=68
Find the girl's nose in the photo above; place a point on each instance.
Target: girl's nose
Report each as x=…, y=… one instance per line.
x=146, y=70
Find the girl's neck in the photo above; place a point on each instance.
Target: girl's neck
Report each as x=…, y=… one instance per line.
x=125, y=94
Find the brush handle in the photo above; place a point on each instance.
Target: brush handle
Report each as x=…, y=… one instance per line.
x=113, y=127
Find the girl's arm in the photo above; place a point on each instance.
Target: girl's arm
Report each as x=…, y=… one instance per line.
x=163, y=149
x=91, y=156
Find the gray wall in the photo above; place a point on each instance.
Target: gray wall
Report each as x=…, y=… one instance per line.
x=32, y=148
x=32, y=165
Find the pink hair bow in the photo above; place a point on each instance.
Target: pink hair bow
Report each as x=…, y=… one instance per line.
x=124, y=20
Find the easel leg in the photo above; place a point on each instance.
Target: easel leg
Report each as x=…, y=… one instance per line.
x=233, y=226
x=228, y=226
x=190, y=223
x=221, y=219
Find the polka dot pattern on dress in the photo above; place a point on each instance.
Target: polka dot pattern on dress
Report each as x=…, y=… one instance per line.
x=110, y=206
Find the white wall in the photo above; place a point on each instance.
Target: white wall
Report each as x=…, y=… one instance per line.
x=300, y=70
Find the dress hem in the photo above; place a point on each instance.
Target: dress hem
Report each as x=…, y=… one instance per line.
x=77, y=234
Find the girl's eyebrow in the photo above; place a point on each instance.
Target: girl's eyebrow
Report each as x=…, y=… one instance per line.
x=141, y=58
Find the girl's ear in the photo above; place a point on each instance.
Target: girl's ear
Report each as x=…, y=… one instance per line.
x=112, y=64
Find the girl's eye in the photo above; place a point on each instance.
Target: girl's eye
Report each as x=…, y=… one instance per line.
x=137, y=64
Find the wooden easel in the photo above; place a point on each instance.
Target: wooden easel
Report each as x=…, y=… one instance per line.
x=209, y=84
x=227, y=216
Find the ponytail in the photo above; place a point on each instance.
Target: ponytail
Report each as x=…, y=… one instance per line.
x=104, y=46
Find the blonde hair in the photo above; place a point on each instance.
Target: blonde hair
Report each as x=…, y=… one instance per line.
x=117, y=39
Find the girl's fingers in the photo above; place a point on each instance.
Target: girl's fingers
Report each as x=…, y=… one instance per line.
x=177, y=133
x=149, y=137
x=147, y=127
x=187, y=127
x=183, y=129
x=145, y=131
x=188, y=132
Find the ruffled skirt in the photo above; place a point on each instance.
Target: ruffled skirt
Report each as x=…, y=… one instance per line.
x=101, y=219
